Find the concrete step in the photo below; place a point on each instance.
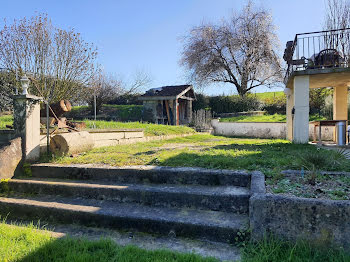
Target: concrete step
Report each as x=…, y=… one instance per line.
x=220, y=198
x=144, y=174
x=200, y=224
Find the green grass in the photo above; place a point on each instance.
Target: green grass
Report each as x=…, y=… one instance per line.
x=27, y=244
x=265, y=118
x=200, y=150
x=6, y=120
x=149, y=129
x=272, y=250
x=269, y=95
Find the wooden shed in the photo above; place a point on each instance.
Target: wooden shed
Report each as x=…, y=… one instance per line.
x=170, y=105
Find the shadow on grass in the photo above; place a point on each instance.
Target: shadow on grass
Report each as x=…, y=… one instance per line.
x=70, y=249
x=237, y=156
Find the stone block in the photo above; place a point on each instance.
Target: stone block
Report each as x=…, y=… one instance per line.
x=10, y=157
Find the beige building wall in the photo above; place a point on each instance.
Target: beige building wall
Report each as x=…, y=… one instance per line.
x=340, y=103
x=301, y=104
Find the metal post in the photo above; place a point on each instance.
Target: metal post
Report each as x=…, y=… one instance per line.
x=94, y=108
x=47, y=129
x=47, y=126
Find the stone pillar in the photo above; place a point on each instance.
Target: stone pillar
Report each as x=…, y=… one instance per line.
x=301, y=106
x=340, y=103
x=27, y=124
x=289, y=108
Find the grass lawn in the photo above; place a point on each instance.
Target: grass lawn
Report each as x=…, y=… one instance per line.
x=265, y=118
x=202, y=150
x=6, y=120
x=149, y=129
x=27, y=243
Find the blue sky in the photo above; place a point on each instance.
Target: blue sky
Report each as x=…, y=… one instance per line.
x=144, y=35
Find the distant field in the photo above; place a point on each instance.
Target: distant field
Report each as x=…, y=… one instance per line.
x=265, y=118
x=265, y=95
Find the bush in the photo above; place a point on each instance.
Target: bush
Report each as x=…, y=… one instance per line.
x=233, y=104
x=127, y=99
x=275, y=105
x=201, y=102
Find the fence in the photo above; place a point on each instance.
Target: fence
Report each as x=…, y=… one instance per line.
x=318, y=50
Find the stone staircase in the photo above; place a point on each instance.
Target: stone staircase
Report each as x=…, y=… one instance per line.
x=188, y=202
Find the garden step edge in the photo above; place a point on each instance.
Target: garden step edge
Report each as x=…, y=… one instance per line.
x=219, y=198
x=143, y=174
x=210, y=225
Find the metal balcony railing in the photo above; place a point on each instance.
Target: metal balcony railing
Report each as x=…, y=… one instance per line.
x=318, y=50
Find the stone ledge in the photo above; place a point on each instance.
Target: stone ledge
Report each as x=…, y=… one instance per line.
x=257, y=183
x=296, y=218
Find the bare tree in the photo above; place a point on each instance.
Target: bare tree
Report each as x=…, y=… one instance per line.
x=105, y=88
x=241, y=51
x=139, y=81
x=60, y=60
x=338, y=17
x=337, y=14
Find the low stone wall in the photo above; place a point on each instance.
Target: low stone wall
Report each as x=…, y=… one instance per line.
x=113, y=137
x=262, y=129
x=295, y=218
x=107, y=137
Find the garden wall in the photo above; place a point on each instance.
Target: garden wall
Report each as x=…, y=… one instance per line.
x=293, y=218
x=107, y=137
x=113, y=137
x=262, y=129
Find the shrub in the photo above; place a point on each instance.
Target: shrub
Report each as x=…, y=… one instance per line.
x=233, y=104
x=126, y=99
x=201, y=102
x=275, y=105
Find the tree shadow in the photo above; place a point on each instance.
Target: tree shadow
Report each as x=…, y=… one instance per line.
x=248, y=157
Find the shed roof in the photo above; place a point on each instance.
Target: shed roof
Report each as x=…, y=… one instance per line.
x=171, y=92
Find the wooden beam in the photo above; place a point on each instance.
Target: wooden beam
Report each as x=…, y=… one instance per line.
x=177, y=112
x=186, y=98
x=167, y=111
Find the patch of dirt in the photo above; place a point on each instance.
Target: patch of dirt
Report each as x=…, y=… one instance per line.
x=334, y=187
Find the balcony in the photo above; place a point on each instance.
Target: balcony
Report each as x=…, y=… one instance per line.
x=316, y=53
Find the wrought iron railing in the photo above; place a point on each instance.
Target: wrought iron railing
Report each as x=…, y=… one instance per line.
x=318, y=50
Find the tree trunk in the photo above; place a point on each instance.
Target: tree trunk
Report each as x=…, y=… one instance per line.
x=71, y=143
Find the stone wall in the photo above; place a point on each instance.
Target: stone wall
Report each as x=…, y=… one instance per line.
x=113, y=137
x=300, y=218
x=10, y=157
x=262, y=130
